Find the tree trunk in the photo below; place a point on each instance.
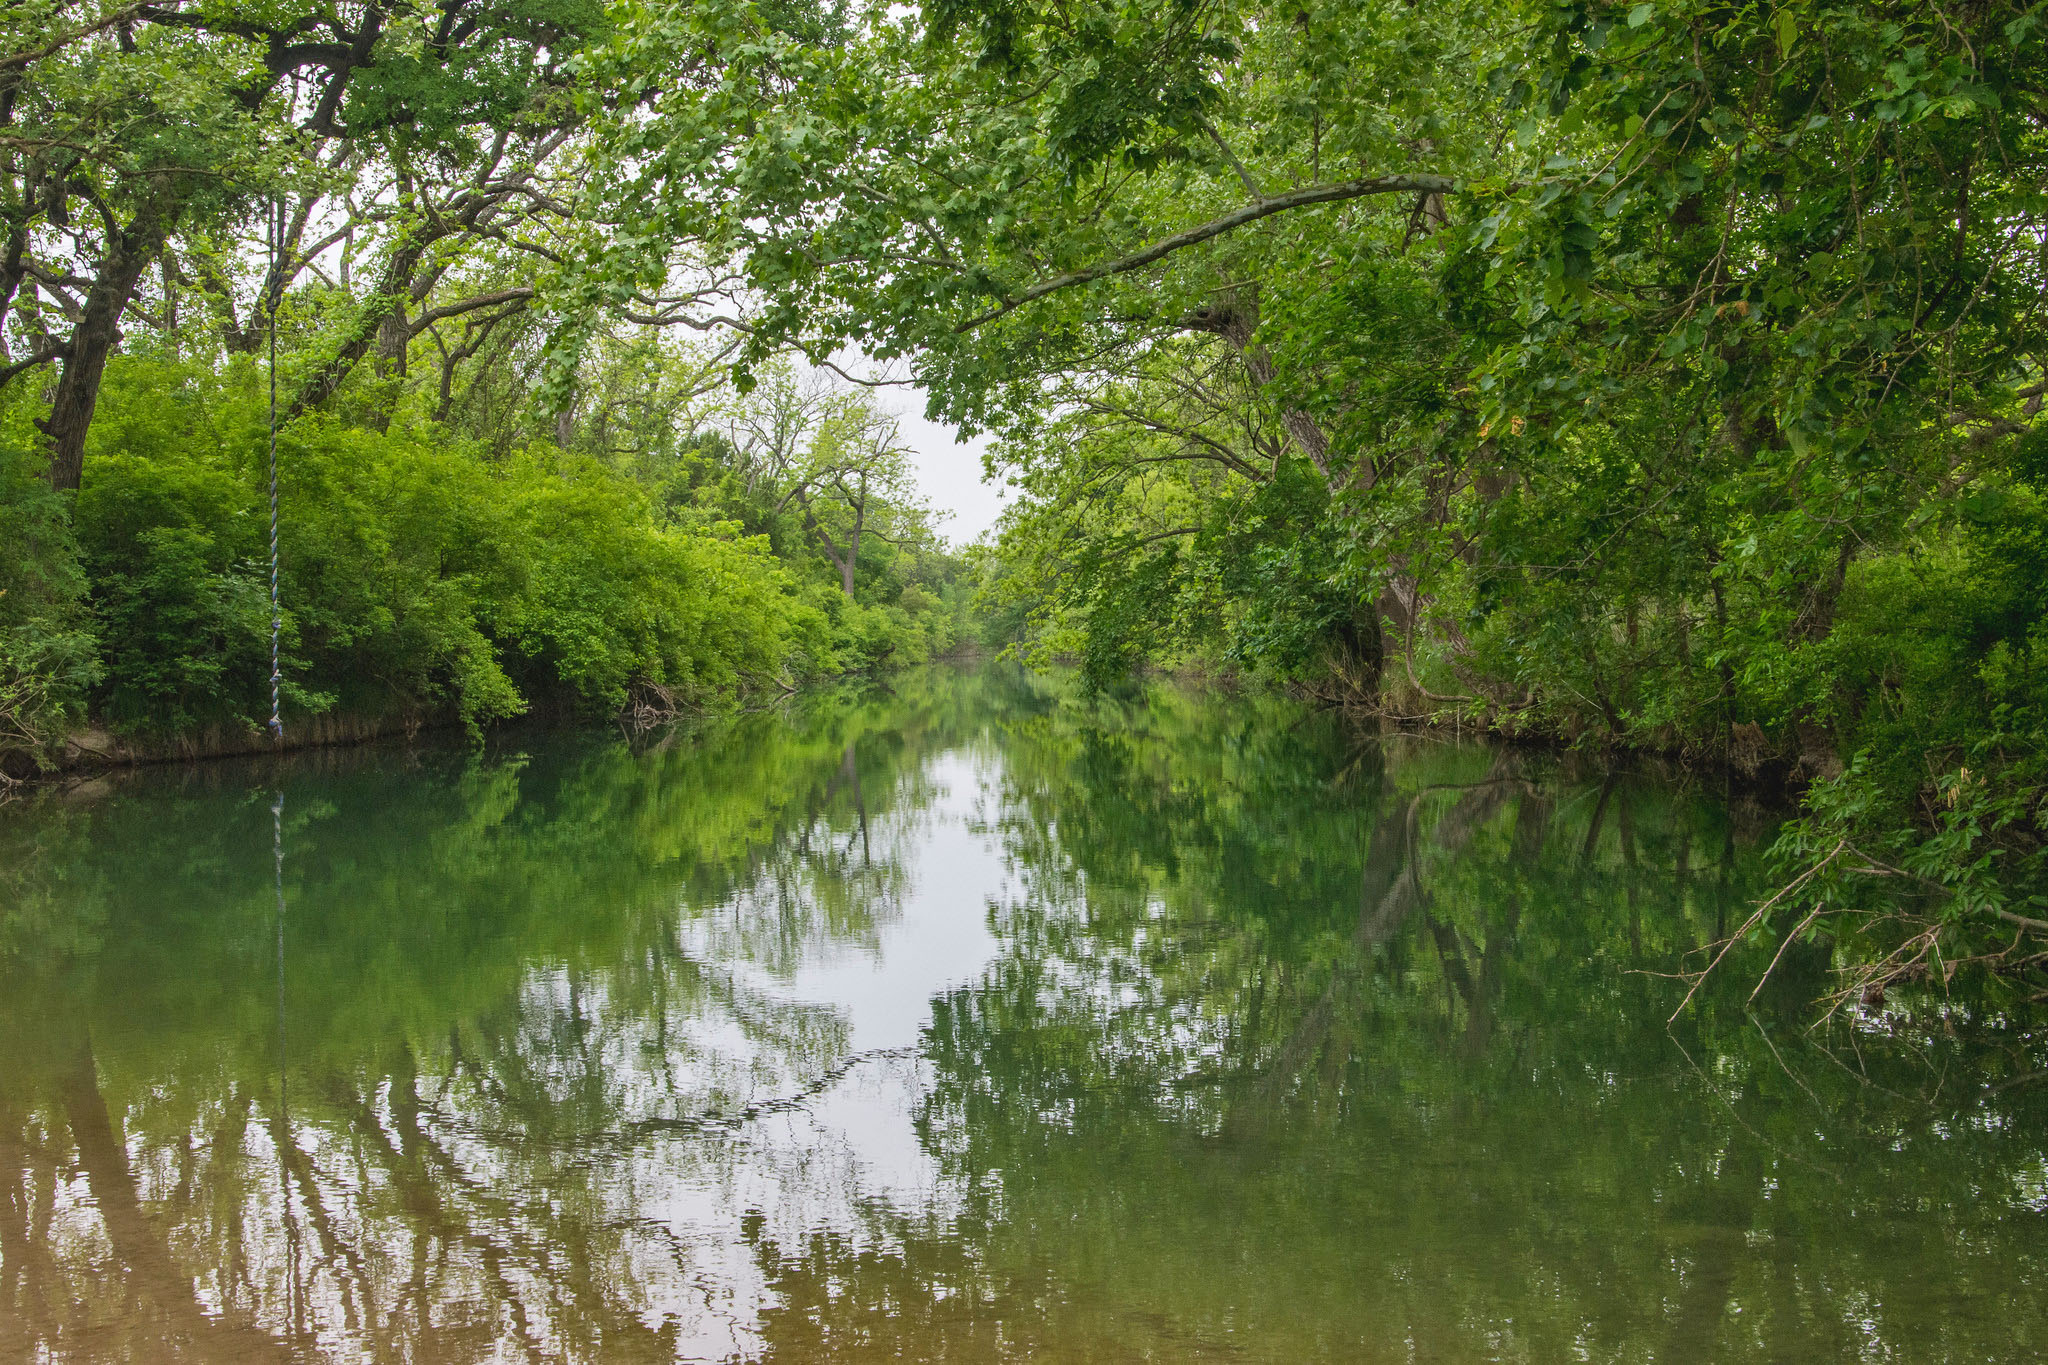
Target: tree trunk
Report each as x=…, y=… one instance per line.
x=393, y=290
x=1235, y=319
x=1820, y=748
x=129, y=253
x=1399, y=610
x=393, y=337
x=844, y=563
x=1362, y=651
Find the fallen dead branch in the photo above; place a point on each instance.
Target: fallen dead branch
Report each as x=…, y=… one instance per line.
x=1762, y=911
x=1919, y=956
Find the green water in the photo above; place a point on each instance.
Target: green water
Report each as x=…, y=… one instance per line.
x=969, y=1020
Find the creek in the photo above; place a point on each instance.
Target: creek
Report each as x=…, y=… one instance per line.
x=966, y=1017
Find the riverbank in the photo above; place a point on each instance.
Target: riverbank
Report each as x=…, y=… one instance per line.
x=85, y=754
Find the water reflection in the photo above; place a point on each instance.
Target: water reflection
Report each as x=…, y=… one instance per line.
x=969, y=1020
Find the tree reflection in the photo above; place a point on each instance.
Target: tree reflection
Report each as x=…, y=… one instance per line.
x=503, y=976
x=1297, y=1042
x=1386, y=1077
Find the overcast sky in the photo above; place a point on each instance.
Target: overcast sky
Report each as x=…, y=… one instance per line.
x=948, y=469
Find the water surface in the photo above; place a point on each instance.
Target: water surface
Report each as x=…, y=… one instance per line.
x=968, y=1019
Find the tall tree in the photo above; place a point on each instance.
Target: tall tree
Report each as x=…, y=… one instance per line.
x=129, y=126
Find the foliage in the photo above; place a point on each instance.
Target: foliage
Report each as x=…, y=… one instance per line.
x=1643, y=375
x=424, y=575
x=418, y=573
x=48, y=657
x=1626, y=374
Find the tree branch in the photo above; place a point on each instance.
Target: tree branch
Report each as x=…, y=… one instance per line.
x=521, y=293
x=1216, y=227
x=42, y=357
x=30, y=56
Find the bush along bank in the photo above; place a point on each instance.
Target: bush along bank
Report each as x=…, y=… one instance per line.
x=428, y=577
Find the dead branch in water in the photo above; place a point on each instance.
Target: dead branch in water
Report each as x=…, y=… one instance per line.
x=1699, y=978
x=1918, y=957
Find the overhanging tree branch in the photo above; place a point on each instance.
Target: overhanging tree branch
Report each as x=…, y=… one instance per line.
x=1216, y=227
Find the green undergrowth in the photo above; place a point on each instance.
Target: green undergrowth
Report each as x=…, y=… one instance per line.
x=425, y=576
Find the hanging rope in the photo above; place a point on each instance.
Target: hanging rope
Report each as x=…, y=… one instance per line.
x=274, y=286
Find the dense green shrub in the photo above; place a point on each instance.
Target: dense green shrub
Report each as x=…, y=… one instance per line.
x=48, y=657
x=424, y=575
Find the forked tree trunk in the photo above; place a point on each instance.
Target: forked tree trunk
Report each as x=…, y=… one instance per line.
x=1235, y=318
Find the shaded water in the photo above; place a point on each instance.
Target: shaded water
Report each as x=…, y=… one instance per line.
x=966, y=1020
